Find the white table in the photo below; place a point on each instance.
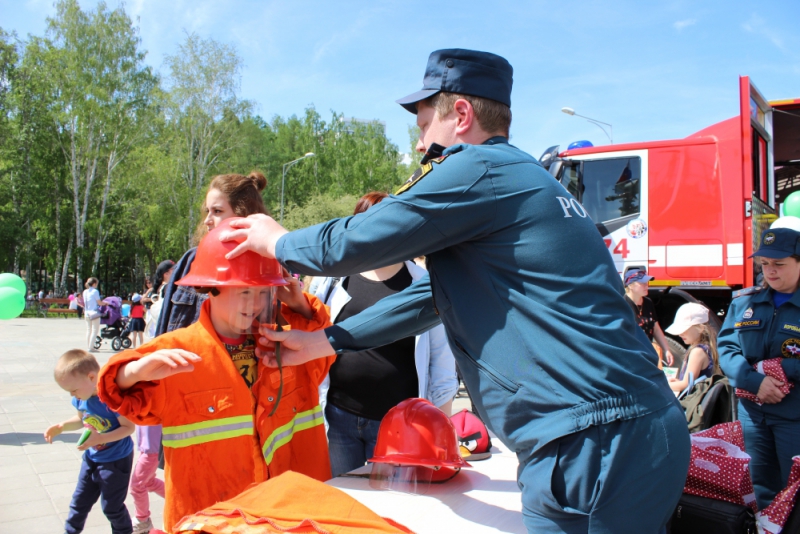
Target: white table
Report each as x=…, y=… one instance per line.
x=484, y=498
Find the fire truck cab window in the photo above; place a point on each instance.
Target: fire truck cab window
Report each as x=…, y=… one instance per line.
x=611, y=188
x=569, y=179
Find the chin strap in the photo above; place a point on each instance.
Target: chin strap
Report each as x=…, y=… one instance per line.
x=278, y=328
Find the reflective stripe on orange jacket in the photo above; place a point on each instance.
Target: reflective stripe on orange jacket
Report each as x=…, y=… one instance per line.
x=214, y=427
x=289, y=503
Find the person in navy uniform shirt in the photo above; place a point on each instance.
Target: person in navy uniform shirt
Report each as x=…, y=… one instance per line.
x=530, y=299
x=764, y=323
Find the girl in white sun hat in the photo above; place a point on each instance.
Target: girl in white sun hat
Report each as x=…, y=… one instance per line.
x=700, y=359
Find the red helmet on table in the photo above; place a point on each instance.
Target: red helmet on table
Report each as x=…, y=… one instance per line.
x=415, y=434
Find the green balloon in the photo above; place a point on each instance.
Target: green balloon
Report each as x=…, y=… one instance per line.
x=12, y=280
x=12, y=302
x=791, y=206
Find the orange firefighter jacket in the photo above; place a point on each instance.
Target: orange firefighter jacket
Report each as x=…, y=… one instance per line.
x=289, y=503
x=218, y=436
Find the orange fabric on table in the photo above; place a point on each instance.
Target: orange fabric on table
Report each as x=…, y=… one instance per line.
x=214, y=427
x=290, y=502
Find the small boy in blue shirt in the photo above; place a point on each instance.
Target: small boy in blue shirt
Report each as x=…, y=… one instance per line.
x=107, y=462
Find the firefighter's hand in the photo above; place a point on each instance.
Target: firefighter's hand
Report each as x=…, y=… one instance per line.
x=258, y=233
x=156, y=366
x=769, y=392
x=297, y=347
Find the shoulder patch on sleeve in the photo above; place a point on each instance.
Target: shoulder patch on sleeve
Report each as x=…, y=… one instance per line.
x=746, y=291
x=419, y=174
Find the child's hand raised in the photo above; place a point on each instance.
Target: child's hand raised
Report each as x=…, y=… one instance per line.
x=156, y=366
x=292, y=296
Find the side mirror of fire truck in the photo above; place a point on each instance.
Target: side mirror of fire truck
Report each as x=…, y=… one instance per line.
x=549, y=156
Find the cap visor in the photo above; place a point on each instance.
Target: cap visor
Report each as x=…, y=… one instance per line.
x=677, y=329
x=643, y=279
x=410, y=102
x=772, y=254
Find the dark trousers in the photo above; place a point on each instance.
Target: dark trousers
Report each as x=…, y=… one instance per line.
x=771, y=442
x=107, y=481
x=622, y=476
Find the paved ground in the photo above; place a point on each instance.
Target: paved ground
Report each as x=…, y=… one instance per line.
x=37, y=479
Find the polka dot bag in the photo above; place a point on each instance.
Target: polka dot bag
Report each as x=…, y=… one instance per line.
x=720, y=470
x=772, y=519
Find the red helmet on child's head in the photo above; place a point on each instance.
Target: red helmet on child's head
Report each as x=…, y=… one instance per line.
x=417, y=433
x=210, y=268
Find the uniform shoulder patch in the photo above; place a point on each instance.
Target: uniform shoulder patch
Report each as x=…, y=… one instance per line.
x=419, y=174
x=746, y=291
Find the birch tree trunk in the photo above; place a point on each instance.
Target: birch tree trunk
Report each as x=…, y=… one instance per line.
x=65, y=267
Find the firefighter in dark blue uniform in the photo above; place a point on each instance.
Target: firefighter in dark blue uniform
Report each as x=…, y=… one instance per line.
x=531, y=301
x=764, y=323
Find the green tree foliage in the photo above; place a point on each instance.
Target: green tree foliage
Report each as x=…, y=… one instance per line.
x=319, y=208
x=204, y=113
x=98, y=90
x=10, y=201
x=104, y=167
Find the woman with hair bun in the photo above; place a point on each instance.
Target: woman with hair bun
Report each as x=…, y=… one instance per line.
x=229, y=195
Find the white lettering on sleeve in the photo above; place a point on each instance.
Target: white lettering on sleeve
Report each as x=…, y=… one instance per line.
x=564, y=205
x=571, y=203
x=578, y=208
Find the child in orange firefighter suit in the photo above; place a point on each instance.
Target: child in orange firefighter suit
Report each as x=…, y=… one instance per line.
x=222, y=430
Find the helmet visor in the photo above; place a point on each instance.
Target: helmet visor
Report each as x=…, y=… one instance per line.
x=415, y=479
x=246, y=308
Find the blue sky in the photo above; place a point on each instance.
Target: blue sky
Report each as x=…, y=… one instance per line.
x=655, y=70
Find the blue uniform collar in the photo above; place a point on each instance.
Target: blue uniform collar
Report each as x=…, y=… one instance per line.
x=795, y=300
x=496, y=140
x=766, y=296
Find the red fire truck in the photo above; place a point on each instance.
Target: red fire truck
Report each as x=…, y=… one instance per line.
x=690, y=211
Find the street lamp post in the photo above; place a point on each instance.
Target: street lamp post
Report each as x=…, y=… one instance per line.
x=570, y=111
x=286, y=167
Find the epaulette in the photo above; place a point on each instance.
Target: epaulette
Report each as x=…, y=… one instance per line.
x=419, y=174
x=746, y=291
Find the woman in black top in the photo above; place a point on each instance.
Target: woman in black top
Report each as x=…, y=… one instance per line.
x=363, y=386
x=636, y=289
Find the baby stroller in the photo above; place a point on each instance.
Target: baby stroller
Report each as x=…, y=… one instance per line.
x=114, y=325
